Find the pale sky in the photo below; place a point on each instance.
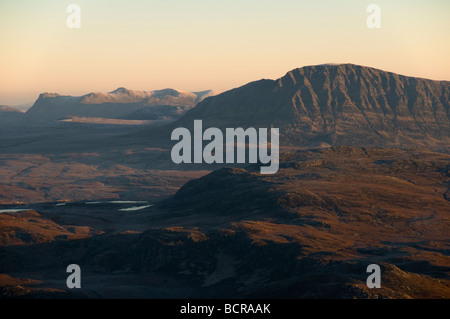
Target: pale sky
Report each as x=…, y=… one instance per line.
x=195, y=45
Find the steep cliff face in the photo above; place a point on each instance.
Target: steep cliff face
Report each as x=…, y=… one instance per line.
x=336, y=104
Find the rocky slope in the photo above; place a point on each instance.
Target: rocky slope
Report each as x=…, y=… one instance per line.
x=337, y=105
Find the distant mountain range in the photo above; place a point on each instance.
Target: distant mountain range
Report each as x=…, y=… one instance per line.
x=330, y=104
x=10, y=115
x=121, y=103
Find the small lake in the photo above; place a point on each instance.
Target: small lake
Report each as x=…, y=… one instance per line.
x=13, y=210
x=117, y=202
x=123, y=205
x=134, y=208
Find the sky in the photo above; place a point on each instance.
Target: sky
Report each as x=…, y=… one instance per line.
x=196, y=45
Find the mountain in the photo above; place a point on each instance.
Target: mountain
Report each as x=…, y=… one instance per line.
x=335, y=104
x=10, y=116
x=118, y=104
x=8, y=109
x=23, y=107
x=311, y=230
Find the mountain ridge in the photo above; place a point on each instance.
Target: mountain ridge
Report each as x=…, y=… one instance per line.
x=10, y=115
x=343, y=104
x=119, y=103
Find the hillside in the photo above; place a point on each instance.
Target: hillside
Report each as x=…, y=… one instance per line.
x=10, y=116
x=308, y=231
x=333, y=105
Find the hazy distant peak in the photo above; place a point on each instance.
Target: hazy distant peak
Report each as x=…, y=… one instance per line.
x=123, y=95
x=120, y=95
x=123, y=103
x=204, y=94
x=48, y=95
x=201, y=93
x=121, y=90
x=171, y=92
x=5, y=108
x=10, y=116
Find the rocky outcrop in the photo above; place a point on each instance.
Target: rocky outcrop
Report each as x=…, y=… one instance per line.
x=336, y=104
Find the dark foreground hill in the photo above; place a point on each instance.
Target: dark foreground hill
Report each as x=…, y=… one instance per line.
x=309, y=231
